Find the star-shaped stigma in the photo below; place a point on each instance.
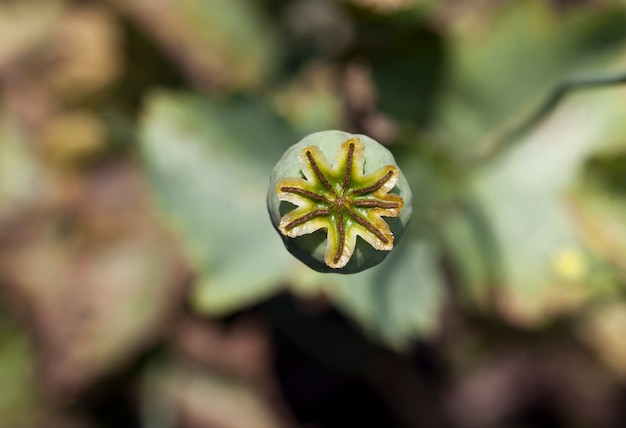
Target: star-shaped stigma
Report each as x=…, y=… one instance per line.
x=341, y=199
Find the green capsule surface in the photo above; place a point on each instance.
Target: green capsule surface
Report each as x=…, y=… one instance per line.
x=339, y=201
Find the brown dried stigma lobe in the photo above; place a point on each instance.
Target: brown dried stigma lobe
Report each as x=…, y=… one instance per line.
x=366, y=224
x=378, y=204
x=306, y=217
x=317, y=171
x=342, y=235
x=375, y=186
x=304, y=192
x=348, y=176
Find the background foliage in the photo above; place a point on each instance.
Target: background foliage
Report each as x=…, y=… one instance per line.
x=141, y=282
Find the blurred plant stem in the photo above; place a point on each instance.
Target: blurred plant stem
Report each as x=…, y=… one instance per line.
x=511, y=134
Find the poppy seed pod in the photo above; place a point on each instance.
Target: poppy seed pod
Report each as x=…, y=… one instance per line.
x=339, y=201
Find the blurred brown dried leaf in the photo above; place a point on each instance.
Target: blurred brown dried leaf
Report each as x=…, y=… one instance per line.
x=243, y=350
x=192, y=398
x=387, y=6
x=217, y=44
x=24, y=26
x=96, y=276
x=605, y=330
x=84, y=53
x=71, y=137
x=505, y=385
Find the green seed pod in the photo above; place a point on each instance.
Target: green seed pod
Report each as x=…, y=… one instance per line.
x=319, y=209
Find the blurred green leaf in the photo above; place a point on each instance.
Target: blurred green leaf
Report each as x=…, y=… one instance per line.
x=398, y=300
x=472, y=251
x=524, y=197
x=19, y=401
x=210, y=164
x=522, y=52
